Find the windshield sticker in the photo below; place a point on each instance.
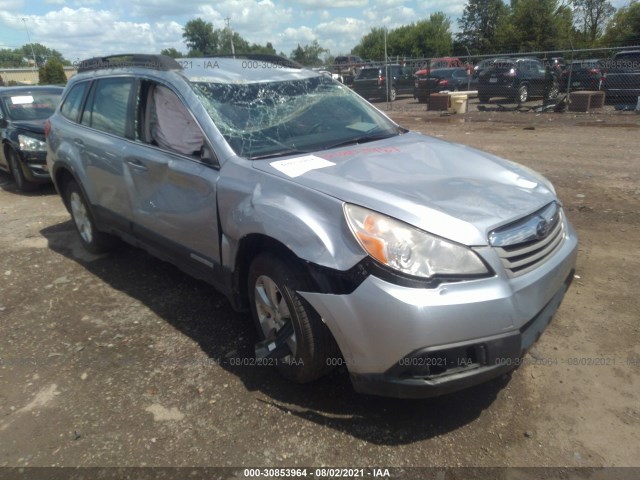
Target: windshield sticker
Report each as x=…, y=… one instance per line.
x=22, y=99
x=294, y=167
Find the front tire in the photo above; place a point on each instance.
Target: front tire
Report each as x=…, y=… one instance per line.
x=22, y=184
x=483, y=98
x=273, y=284
x=392, y=94
x=91, y=238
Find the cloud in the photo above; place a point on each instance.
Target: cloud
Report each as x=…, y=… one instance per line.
x=54, y=2
x=320, y=4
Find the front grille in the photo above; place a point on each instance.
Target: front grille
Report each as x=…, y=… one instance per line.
x=524, y=245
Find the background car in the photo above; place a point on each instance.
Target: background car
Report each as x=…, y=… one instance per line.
x=583, y=75
x=437, y=63
x=372, y=82
x=347, y=67
x=621, y=80
x=517, y=79
x=451, y=79
x=23, y=111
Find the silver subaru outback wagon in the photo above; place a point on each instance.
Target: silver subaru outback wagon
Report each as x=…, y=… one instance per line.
x=423, y=266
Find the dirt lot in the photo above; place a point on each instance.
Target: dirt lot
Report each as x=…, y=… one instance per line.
x=123, y=360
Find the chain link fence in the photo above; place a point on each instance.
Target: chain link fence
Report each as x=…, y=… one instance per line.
x=602, y=79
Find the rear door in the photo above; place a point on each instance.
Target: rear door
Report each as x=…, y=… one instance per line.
x=102, y=144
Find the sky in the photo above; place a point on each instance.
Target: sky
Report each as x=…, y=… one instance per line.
x=85, y=28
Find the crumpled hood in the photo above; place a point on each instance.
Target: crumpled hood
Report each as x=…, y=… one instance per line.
x=35, y=126
x=450, y=190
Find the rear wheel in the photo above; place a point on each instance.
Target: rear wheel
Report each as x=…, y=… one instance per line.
x=483, y=98
x=22, y=184
x=392, y=94
x=91, y=238
x=283, y=318
x=523, y=94
x=554, y=91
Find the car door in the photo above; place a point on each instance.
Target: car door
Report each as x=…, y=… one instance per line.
x=538, y=78
x=102, y=145
x=173, y=195
x=405, y=80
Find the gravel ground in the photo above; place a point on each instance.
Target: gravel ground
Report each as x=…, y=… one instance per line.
x=122, y=360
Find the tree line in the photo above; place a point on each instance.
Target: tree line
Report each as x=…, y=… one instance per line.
x=485, y=27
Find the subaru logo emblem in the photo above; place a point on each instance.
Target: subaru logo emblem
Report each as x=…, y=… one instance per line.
x=542, y=229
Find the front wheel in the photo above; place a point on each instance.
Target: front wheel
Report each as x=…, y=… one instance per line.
x=483, y=98
x=22, y=184
x=392, y=94
x=282, y=316
x=91, y=238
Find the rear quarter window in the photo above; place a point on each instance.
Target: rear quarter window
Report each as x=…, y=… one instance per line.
x=108, y=107
x=73, y=103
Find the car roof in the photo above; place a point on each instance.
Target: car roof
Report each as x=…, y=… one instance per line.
x=221, y=69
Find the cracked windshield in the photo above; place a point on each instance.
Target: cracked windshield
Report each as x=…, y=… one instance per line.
x=263, y=120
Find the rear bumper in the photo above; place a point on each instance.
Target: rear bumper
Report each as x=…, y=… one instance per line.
x=490, y=90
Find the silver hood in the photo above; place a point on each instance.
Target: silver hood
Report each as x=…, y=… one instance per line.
x=451, y=190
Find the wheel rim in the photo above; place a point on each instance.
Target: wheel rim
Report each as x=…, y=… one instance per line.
x=81, y=217
x=273, y=311
x=523, y=94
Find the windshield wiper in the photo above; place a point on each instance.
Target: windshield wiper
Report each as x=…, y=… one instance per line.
x=279, y=153
x=365, y=139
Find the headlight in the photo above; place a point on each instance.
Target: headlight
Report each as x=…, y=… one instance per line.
x=407, y=249
x=30, y=144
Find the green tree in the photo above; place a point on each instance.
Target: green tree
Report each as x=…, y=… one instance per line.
x=371, y=45
x=425, y=38
x=10, y=58
x=623, y=27
x=480, y=23
x=52, y=73
x=591, y=17
x=42, y=53
x=540, y=25
x=171, y=52
x=200, y=38
x=309, y=55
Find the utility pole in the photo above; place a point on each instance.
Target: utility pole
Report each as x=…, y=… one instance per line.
x=33, y=53
x=233, y=50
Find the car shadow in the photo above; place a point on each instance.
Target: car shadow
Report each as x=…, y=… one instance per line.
x=8, y=185
x=227, y=338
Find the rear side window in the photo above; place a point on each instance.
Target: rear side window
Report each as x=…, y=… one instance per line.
x=108, y=106
x=368, y=73
x=73, y=102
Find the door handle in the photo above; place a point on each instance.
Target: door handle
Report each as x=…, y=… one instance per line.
x=137, y=164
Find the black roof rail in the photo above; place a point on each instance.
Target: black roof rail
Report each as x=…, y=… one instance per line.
x=156, y=62
x=264, y=57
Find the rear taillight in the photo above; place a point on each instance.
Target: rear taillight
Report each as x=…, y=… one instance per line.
x=47, y=127
x=510, y=73
x=381, y=80
x=594, y=70
x=443, y=82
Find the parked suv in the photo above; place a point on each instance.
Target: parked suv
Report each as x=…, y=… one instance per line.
x=622, y=76
x=23, y=111
x=384, y=82
x=518, y=79
x=347, y=66
x=423, y=266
